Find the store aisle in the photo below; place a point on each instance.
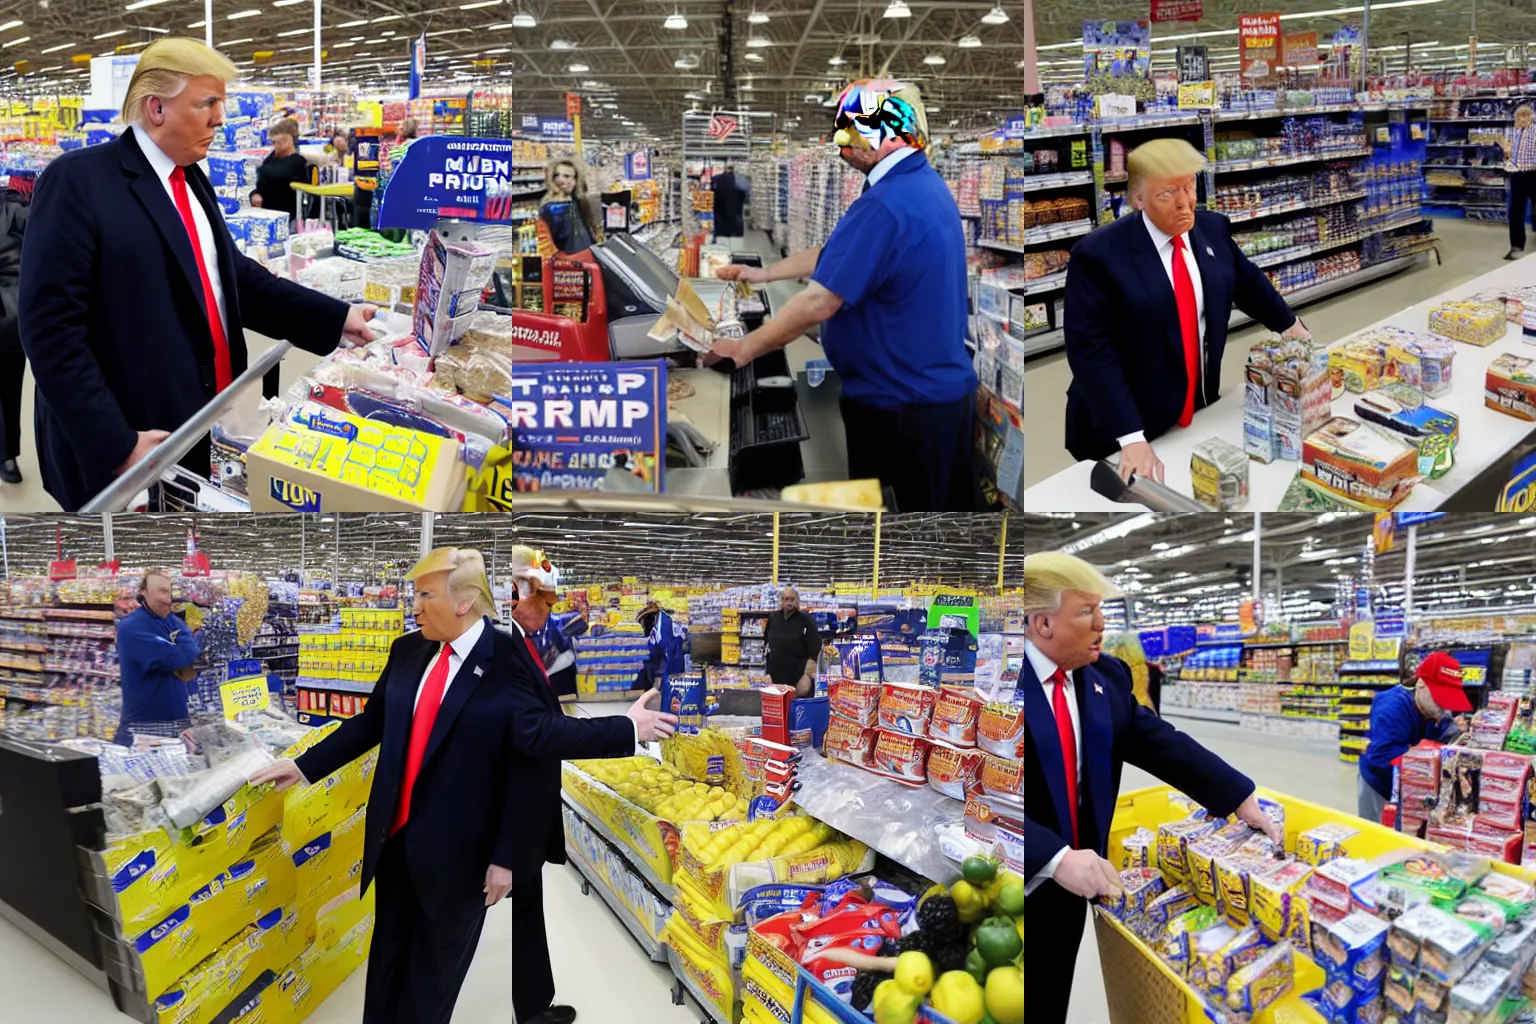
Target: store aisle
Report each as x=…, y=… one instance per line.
x=1466, y=251
x=1301, y=768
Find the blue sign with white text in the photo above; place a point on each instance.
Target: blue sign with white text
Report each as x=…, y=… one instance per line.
x=449, y=177
x=557, y=130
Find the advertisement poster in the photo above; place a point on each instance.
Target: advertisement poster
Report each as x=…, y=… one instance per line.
x=1177, y=10
x=1300, y=49
x=531, y=122
x=556, y=130
x=588, y=426
x=418, y=65
x=637, y=165
x=1258, y=44
x=1519, y=494
x=1117, y=57
x=1194, y=63
x=449, y=176
x=572, y=106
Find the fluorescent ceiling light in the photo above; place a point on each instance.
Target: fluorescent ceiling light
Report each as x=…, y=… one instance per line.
x=342, y=46
x=755, y=58
x=104, y=35
x=352, y=24
x=254, y=12
x=387, y=17
x=286, y=3
x=969, y=42
x=577, y=69
x=481, y=3
x=675, y=21
x=934, y=59
x=996, y=16
x=139, y=5
x=898, y=9
x=836, y=61
x=56, y=49
x=561, y=44
x=757, y=18
x=1067, y=45
x=294, y=32
x=523, y=20
x=17, y=42
x=758, y=43
x=813, y=97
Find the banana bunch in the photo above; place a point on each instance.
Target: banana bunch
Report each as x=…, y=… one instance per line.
x=661, y=791
x=763, y=839
x=706, y=756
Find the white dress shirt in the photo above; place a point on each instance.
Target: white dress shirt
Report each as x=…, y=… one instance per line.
x=883, y=168
x=522, y=637
x=163, y=166
x=461, y=650
x=1045, y=668
x=1163, y=243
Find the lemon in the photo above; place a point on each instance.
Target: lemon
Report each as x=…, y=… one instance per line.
x=1005, y=995
x=914, y=972
x=959, y=997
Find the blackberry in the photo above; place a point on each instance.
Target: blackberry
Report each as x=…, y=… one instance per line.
x=939, y=919
x=912, y=942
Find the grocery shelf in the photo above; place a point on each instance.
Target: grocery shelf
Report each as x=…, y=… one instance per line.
x=1460, y=145
x=654, y=949
x=1323, y=289
x=1294, y=643
x=1464, y=167
x=1039, y=286
x=1239, y=216
x=824, y=795
x=339, y=685
x=707, y=1008
x=1040, y=236
x=1471, y=120
x=1230, y=716
x=1144, y=122
x=1285, y=161
x=1046, y=341
x=1062, y=179
x=640, y=868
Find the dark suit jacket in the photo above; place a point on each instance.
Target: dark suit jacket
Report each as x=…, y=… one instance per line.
x=112, y=315
x=1122, y=329
x=1115, y=730
x=463, y=813
x=543, y=736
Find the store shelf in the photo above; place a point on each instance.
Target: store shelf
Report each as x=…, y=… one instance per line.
x=1229, y=166
x=1055, y=282
x=1463, y=167
x=1259, y=115
x=707, y=1008
x=662, y=889
x=1323, y=289
x=36, y=695
x=1240, y=216
x=1040, y=236
x=1045, y=341
x=1152, y=121
x=1460, y=145
x=824, y=795
x=1471, y=120
x=338, y=685
x=1294, y=643
x=654, y=949
x=1204, y=714
x=1064, y=179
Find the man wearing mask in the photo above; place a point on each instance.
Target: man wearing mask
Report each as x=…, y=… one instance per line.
x=1083, y=724
x=443, y=822
x=543, y=736
x=794, y=645
x=890, y=285
x=1423, y=708
x=155, y=652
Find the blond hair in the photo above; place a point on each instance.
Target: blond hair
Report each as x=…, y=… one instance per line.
x=466, y=575
x=1162, y=158
x=1049, y=574
x=164, y=68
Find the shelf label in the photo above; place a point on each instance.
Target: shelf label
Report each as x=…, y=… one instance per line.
x=244, y=693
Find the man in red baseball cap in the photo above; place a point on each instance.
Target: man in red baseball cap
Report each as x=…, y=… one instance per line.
x=1420, y=709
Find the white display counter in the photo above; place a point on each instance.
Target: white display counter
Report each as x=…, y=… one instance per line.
x=1486, y=436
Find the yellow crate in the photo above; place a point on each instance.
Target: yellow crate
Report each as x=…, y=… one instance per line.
x=1142, y=989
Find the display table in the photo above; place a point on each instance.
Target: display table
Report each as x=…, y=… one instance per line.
x=1486, y=436
x=329, y=196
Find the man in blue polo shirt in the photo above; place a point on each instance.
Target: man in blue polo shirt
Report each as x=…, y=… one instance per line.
x=890, y=287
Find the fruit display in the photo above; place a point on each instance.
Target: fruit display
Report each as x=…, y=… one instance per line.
x=660, y=790
x=763, y=839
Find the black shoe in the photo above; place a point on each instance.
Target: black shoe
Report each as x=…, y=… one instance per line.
x=10, y=472
x=555, y=1015
x=1514, y=254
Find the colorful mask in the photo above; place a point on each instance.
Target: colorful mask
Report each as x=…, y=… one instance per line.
x=870, y=111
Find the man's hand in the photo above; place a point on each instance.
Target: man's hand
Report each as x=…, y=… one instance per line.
x=733, y=349
x=187, y=674
x=1086, y=874
x=1297, y=332
x=739, y=272
x=356, y=329
x=498, y=882
x=1139, y=458
x=651, y=725
x=1250, y=814
x=148, y=439
x=282, y=774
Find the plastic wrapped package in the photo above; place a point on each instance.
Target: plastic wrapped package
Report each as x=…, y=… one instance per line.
x=1476, y=323
x=334, y=276
x=188, y=800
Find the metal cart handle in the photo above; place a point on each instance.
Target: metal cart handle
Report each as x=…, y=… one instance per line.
x=167, y=453
x=1105, y=479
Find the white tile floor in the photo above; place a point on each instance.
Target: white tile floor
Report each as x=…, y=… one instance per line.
x=1294, y=767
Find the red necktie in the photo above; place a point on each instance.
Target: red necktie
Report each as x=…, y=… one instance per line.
x=1189, y=326
x=421, y=730
x=1068, y=744
x=222, y=373
x=537, y=660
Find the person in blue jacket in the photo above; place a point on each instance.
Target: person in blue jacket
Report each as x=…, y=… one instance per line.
x=1402, y=717
x=155, y=652
x=890, y=286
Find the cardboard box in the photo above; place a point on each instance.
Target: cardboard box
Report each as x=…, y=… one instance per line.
x=1359, y=464
x=1510, y=387
x=323, y=460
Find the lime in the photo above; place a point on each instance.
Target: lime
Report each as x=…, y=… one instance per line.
x=978, y=870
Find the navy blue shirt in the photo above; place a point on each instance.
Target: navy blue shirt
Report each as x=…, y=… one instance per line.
x=149, y=651
x=897, y=260
x=1396, y=725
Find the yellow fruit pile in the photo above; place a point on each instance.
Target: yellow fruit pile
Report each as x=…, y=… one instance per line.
x=763, y=839
x=662, y=792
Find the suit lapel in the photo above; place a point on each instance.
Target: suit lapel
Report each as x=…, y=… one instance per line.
x=536, y=672
x=1206, y=261
x=1098, y=746
x=201, y=191
x=461, y=690
x=1149, y=266
x=1041, y=723
x=403, y=699
x=151, y=193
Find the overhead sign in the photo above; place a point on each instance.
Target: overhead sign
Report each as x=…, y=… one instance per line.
x=531, y=122
x=1197, y=95
x=418, y=65
x=444, y=176
x=1116, y=50
x=1194, y=63
x=1300, y=49
x=1415, y=518
x=588, y=426
x=557, y=130
x=572, y=106
x=637, y=165
x=1258, y=44
x=1177, y=10
x=1384, y=532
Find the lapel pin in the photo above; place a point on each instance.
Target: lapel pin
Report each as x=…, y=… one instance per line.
x=479, y=671
x=1098, y=688
x=1208, y=251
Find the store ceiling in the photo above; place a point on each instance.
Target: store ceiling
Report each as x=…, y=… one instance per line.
x=630, y=59
x=815, y=549
x=1174, y=563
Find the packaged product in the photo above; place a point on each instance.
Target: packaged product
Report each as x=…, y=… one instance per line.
x=1002, y=777
x=1259, y=440
x=1253, y=987
x=1323, y=843
x=901, y=756
x=1210, y=968
x=1515, y=947
x=1234, y=877
x=1138, y=846
x=1515, y=896
x=1273, y=898
x=1353, y=949
x=1176, y=946
x=1476, y=323
x=764, y=901
x=1335, y=879
x=1510, y=386
x=906, y=708
x=1172, y=837
x=1442, y=944
x=1359, y=464
x=1138, y=887
x=855, y=700
x=847, y=740
x=1478, y=994
x=1345, y=1005
x=1169, y=904
x=1481, y=912
x=1422, y=363
x=955, y=717
x=1200, y=857
x=832, y=972
x=1000, y=729
x=1430, y=872
x=1403, y=411
x=998, y=825
x=1219, y=472
x=1358, y=365
x=954, y=772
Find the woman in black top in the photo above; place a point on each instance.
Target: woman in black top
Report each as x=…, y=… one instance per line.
x=568, y=212
x=282, y=167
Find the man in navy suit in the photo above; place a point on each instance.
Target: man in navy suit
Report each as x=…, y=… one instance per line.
x=134, y=300
x=1083, y=724
x=1147, y=304
x=542, y=737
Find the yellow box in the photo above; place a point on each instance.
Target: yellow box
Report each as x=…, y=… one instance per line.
x=332, y=861
x=267, y=945
x=758, y=981
x=710, y=976
x=1272, y=898
x=228, y=832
